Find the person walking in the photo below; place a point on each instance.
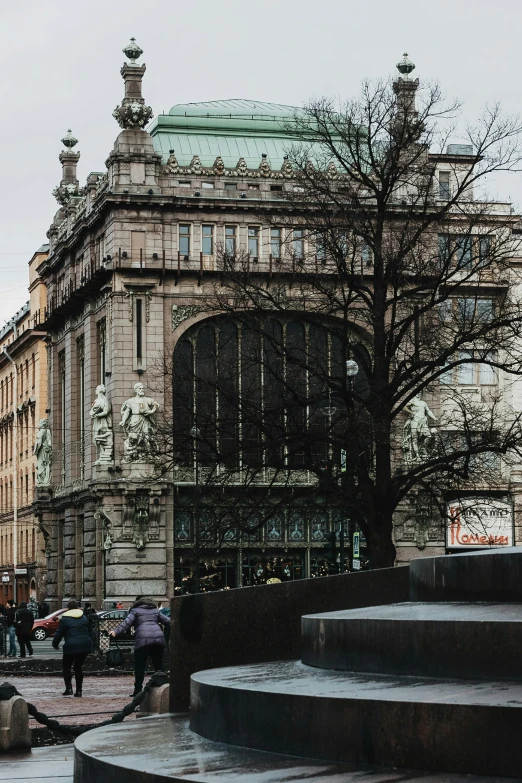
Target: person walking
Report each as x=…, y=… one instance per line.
x=74, y=628
x=11, y=628
x=149, y=640
x=24, y=621
x=43, y=609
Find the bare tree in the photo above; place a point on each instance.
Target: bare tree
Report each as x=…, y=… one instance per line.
x=381, y=261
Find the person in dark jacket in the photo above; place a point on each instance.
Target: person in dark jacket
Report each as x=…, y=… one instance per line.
x=148, y=638
x=11, y=628
x=74, y=628
x=24, y=621
x=43, y=610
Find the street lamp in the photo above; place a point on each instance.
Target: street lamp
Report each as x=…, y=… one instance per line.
x=352, y=368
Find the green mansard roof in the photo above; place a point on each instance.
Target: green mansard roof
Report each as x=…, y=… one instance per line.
x=231, y=129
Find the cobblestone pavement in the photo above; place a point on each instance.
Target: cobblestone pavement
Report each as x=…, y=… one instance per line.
x=104, y=695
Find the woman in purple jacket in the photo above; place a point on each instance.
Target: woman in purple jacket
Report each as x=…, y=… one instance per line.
x=148, y=640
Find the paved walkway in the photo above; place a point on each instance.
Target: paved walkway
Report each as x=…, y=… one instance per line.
x=104, y=695
x=45, y=764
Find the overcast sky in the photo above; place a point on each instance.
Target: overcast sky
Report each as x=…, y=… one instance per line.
x=61, y=60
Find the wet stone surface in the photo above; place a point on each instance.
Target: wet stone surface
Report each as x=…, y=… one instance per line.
x=163, y=748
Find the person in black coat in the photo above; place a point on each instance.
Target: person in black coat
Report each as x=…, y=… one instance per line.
x=24, y=621
x=74, y=628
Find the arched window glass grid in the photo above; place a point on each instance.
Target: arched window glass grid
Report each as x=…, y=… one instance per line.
x=269, y=394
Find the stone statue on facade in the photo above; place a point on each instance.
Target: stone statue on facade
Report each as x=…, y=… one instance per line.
x=416, y=432
x=139, y=426
x=43, y=452
x=102, y=434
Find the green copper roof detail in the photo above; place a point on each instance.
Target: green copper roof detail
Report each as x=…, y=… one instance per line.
x=231, y=129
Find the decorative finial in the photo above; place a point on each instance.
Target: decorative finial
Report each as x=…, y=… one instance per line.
x=405, y=66
x=133, y=113
x=132, y=51
x=69, y=140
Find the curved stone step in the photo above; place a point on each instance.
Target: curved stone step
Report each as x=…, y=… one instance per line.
x=428, y=723
x=159, y=748
x=494, y=575
x=428, y=639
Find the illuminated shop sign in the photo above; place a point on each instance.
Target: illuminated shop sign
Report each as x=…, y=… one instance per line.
x=475, y=523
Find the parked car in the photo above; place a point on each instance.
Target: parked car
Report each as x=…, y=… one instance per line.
x=47, y=625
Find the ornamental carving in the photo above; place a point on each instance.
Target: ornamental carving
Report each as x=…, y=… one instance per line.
x=287, y=170
x=132, y=115
x=172, y=166
x=64, y=193
x=195, y=165
x=219, y=166
x=242, y=168
x=180, y=313
x=264, y=168
x=332, y=171
x=140, y=526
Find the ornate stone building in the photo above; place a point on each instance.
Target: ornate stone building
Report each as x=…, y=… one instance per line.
x=23, y=402
x=131, y=254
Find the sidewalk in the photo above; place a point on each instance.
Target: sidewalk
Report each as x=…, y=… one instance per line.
x=104, y=695
x=45, y=764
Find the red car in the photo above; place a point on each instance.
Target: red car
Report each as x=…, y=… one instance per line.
x=47, y=625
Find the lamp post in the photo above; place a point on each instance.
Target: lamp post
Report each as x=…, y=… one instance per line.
x=352, y=368
x=195, y=433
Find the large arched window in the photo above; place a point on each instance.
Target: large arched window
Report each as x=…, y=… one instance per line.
x=267, y=392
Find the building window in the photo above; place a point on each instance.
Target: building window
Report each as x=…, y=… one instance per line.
x=475, y=311
x=102, y=346
x=184, y=183
x=80, y=350
x=230, y=186
x=475, y=372
x=207, y=185
x=230, y=240
x=298, y=244
x=366, y=256
x=208, y=240
x=230, y=396
x=184, y=240
x=253, y=186
x=276, y=188
x=253, y=242
x=484, y=250
x=463, y=248
x=444, y=185
x=320, y=248
x=139, y=329
x=275, y=242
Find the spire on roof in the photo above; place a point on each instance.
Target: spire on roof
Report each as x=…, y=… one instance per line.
x=405, y=88
x=132, y=113
x=69, y=185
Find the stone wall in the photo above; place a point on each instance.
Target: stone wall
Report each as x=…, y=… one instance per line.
x=260, y=624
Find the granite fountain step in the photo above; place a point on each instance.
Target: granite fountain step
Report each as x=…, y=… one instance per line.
x=429, y=723
x=428, y=639
x=163, y=747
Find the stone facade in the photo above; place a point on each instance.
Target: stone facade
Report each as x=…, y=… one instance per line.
x=22, y=544
x=132, y=258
